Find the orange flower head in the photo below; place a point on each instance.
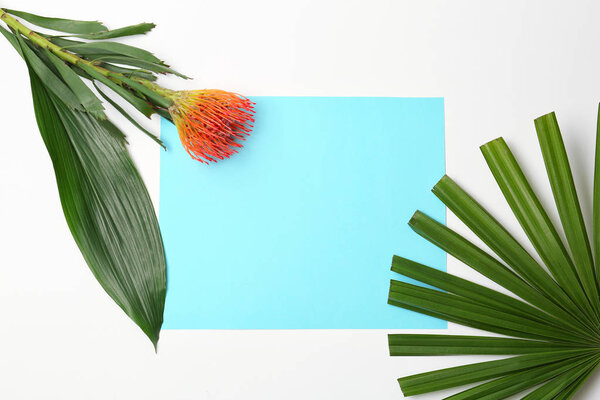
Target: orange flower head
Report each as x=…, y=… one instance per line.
x=210, y=122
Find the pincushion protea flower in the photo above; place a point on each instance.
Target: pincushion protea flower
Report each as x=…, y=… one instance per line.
x=210, y=121
x=104, y=200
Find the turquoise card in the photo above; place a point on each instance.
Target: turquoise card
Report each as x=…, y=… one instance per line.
x=297, y=231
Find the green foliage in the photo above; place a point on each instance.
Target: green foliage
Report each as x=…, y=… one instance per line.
x=84, y=94
x=135, y=62
x=100, y=60
x=138, y=102
x=60, y=24
x=50, y=79
x=553, y=323
x=103, y=197
x=106, y=206
x=113, y=48
x=128, y=117
x=139, y=29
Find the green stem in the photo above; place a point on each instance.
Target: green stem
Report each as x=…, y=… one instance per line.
x=157, y=93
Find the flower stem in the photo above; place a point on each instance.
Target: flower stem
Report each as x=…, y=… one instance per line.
x=74, y=59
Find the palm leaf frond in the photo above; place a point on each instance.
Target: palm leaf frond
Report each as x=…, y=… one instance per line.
x=552, y=323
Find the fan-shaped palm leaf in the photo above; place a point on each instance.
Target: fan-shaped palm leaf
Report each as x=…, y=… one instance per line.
x=554, y=322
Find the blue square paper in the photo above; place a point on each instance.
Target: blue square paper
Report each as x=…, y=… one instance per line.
x=297, y=231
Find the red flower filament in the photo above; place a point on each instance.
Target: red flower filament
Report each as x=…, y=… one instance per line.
x=211, y=121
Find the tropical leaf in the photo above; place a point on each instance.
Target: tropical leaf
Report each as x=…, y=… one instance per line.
x=138, y=29
x=60, y=24
x=115, y=48
x=84, y=94
x=12, y=39
x=131, y=72
x=135, y=62
x=129, y=117
x=552, y=326
x=140, y=104
x=60, y=40
x=106, y=206
x=48, y=77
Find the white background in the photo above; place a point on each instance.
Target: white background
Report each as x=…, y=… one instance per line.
x=497, y=64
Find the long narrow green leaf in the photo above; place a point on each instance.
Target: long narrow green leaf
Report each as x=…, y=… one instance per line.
x=139, y=29
x=150, y=94
x=50, y=80
x=479, y=260
x=129, y=117
x=83, y=93
x=107, y=207
x=554, y=387
x=60, y=24
x=517, y=382
x=570, y=390
x=497, y=238
x=134, y=62
x=113, y=48
x=483, y=295
x=567, y=203
x=12, y=39
x=457, y=319
x=143, y=90
x=61, y=41
x=141, y=105
x=130, y=72
x=465, y=374
x=455, y=305
x=444, y=345
x=534, y=220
